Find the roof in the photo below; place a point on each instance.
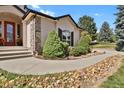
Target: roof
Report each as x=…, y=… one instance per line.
x=18, y=8
x=39, y=13
x=48, y=16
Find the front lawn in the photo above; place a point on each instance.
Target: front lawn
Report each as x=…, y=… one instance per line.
x=104, y=45
x=116, y=80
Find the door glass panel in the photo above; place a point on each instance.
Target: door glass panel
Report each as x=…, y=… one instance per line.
x=0, y=29
x=9, y=33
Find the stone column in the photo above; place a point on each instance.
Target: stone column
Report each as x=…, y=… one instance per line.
x=32, y=34
x=24, y=34
x=38, y=35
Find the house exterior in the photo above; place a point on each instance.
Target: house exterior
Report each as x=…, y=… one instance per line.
x=19, y=23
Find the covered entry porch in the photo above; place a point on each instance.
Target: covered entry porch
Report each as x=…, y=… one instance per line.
x=11, y=32
x=14, y=31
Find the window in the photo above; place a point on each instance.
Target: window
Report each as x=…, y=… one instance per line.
x=0, y=29
x=18, y=31
x=66, y=36
x=9, y=33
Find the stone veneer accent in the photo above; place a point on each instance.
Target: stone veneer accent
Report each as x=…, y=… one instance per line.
x=35, y=34
x=38, y=35
x=32, y=42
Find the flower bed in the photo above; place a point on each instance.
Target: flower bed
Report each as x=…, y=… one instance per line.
x=86, y=77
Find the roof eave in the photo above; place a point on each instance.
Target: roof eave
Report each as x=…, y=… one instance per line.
x=54, y=18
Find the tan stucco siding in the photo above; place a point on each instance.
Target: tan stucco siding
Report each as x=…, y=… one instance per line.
x=76, y=36
x=11, y=9
x=66, y=24
x=47, y=25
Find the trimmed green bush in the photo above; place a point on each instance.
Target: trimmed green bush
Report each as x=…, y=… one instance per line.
x=53, y=47
x=82, y=47
x=77, y=51
x=65, y=45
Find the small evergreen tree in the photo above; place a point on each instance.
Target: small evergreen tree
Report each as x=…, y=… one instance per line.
x=53, y=47
x=105, y=33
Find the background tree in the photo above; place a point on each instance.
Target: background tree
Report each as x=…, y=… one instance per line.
x=119, y=28
x=105, y=33
x=87, y=23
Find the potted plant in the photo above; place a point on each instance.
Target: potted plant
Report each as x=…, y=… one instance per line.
x=19, y=41
x=1, y=40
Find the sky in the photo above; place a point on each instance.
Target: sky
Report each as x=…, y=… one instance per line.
x=100, y=13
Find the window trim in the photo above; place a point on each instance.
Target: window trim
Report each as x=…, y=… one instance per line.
x=67, y=40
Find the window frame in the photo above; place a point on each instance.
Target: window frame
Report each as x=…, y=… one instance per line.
x=1, y=28
x=18, y=31
x=66, y=40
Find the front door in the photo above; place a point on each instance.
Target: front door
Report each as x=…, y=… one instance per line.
x=9, y=33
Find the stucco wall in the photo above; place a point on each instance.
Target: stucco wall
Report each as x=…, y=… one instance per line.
x=47, y=25
x=66, y=24
x=10, y=9
x=43, y=26
x=76, y=36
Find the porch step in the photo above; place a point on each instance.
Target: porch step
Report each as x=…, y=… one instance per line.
x=13, y=49
x=15, y=56
x=14, y=52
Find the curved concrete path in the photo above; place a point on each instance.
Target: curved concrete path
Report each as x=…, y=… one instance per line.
x=36, y=66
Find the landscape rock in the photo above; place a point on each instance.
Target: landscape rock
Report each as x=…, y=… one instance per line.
x=86, y=77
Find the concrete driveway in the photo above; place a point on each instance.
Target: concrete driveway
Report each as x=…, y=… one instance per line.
x=36, y=66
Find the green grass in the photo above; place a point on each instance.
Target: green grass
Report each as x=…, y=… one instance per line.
x=116, y=80
x=104, y=45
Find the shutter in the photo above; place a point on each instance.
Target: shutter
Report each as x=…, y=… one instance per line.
x=60, y=33
x=72, y=38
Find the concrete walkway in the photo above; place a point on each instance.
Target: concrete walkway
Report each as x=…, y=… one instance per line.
x=36, y=66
